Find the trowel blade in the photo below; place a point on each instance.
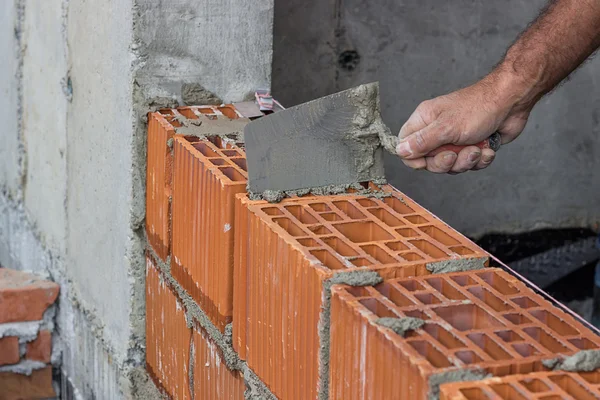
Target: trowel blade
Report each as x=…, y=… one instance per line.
x=333, y=140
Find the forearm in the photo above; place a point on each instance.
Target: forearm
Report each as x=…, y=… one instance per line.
x=563, y=36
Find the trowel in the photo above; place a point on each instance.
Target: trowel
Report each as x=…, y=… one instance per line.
x=334, y=140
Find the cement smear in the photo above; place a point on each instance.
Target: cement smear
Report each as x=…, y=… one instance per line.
x=401, y=325
x=351, y=278
x=456, y=265
x=462, y=375
x=141, y=384
x=255, y=389
x=231, y=130
x=583, y=361
x=194, y=94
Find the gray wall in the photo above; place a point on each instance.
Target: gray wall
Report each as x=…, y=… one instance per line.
x=76, y=80
x=417, y=50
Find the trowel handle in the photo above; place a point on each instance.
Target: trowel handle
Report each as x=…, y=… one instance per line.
x=493, y=142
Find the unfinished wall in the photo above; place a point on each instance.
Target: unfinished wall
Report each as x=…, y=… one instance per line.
x=418, y=50
x=76, y=83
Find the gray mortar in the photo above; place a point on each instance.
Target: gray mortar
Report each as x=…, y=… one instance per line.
x=255, y=389
x=275, y=196
x=194, y=94
x=228, y=129
x=401, y=325
x=25, y=367
x=191, y=366
x=142, y=386
x=26, y=331
x=462, y=375
x=582, y=361
x=456, y=265
x=351, y=278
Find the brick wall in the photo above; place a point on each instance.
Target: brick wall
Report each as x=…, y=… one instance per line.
x=349, y=296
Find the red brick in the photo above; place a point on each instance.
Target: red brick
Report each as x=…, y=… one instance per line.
x=24, y=296
x=207, y=176
x=478, y=320
x=40, y=349
x=20, y=387
x=9, y=350
x=168, y=338
x=556, y=385
x=212, y=378
x=285, y=252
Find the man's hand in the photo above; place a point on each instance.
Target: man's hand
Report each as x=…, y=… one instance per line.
x=465, y=117
x=562, y=37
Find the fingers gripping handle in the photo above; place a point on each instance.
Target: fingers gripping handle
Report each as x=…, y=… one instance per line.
x=493, y=142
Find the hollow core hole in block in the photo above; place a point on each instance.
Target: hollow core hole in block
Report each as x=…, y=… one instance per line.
x=378, y=308
x=445, y=338
x=462, y=250
x=439, y=235
x=218, y=161
x=398, y=205
x=517, y=319
x=233, y=174
x=378, y=254
x=330, y=216
x=427, y=298
x=553, y=322
x=289, y=226
x=308, y=242
x=464, y=280
x=319, y=230
x=417, y=314
x=272, y=211
x=467, y=356
x=363, y=232
x=228, y=112
x=508, y=336
x=428, y=248
x=205, y=149
x=301, y=214
x=407, y=232
x=188, y=113
x=431, y=354
x=328, y=259
x=474, y=394
x=591, y=377
x=216, y=140
x=552, y=397
x=535, y=385
x=394, y=295
x=386, y=217
x=546, y=340
x=445, y=288
x=467, y=317
x=240, y=162
x=360, y=262
x=489, y=298
x=507, y=391
x=525, y=349
x=366, y=202
x=319, y=207
x=501, y=285
x=491, y=348
x=416, y=219
x=410, y=256
x=340, y=247
x=396, y=246
x=358, y=291
x=572, y=387
x=231, y=153
x=347, y=208
x=524, y=302
x=583, y=343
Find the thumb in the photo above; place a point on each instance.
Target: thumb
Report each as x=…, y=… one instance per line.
x=423, y=141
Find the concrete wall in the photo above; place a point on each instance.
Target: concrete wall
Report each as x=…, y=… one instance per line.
x=418, y=50
x=76, y=81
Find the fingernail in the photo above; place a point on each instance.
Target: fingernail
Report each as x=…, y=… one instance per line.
x=488, y=158
x=474, y=156
x=403, y=149
x=449, y=158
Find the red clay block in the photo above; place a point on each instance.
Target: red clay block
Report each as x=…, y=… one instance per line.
x=168, y=338
x=212, y=378
x=557, y=385
x=285, y=252
x=483, y=321
x=41, y=348
x=9, y=350
x=207, y=175
x=38, y=385
x=24, y=296
x=162, y=127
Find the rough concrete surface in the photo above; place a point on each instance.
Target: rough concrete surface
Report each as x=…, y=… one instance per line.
x=401, y=325
x=583, y=361
x=195, y=94
x=418, y=50
x=456, y=265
